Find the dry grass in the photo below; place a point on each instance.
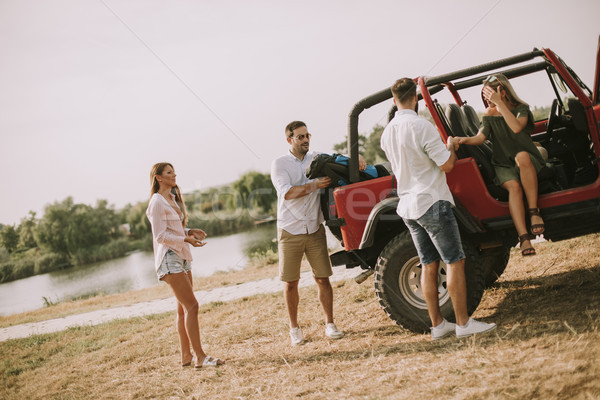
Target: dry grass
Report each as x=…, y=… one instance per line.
x=547, y=346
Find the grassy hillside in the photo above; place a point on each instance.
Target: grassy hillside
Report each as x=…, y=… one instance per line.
x=547, y=346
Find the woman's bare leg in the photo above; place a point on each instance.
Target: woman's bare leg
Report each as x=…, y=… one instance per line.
x=182, y=288
x=517, y=208
x=529, y=182
x=184, y=341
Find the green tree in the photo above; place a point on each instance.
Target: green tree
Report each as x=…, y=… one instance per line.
x=342, y=147
x=9, y=237
x=54, y=225
x=27, y=232
x=256, y=190
x=540, y=113
x=139, y=226
x=67, y=227
x=368, y=146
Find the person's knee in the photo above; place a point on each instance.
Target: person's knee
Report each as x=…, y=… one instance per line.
x=291, y=286
x=323, y=283
x=192, y=307
x=523, y=159
x=429, y=272
x=513, y=187
x=456, y=266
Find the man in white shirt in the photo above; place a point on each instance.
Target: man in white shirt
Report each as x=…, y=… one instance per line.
x=300, y=228
x=420, y=162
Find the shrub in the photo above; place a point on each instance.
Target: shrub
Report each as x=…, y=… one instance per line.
x=49, y=262
x=114, y=249
x=23, y=267
x=221, y=223
x=6, y=271
x=265, y=257
x=4, y=255
x=144, y=243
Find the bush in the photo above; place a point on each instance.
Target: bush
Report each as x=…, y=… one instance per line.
x=218, y=224
x=6, y=271
x=4, y=255
x=114, y=249
x=23, y=267
x=145, y=244
x=265, y=257
x=49, y=262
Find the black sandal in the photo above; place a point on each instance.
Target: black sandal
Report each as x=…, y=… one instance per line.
x=536, y=229
x=530, y=251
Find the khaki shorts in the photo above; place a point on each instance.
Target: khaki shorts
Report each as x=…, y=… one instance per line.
x=293, y=247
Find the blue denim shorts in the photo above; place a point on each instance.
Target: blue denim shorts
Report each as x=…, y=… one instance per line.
x=172, y=264
x=435, y=234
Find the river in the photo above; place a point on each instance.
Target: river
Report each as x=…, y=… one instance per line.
x=133, y=272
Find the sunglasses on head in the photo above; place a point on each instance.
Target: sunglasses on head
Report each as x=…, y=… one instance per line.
x=491, y=79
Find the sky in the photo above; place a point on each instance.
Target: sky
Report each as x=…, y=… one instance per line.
x=93, y=93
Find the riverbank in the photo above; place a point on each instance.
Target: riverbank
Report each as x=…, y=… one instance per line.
x=157, y=292
x=547, y=346
x=133, y=272
x=158, y=306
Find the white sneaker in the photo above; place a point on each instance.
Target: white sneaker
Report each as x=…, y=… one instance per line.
x=296, y=336
x=332, y=332
x=473, y=327
x=443, y=330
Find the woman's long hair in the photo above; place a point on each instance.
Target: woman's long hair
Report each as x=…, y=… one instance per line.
x=496, y=80
x=157, y=169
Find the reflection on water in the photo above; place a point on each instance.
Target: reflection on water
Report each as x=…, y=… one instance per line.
x=133, y=272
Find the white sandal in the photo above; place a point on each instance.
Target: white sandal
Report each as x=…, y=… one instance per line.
x=210, y=362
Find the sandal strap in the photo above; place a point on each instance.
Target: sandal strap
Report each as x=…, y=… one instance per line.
x=525, y=236
x=530, y=251
x=534, y=211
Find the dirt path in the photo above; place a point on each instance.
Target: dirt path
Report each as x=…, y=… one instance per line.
x=223, y=294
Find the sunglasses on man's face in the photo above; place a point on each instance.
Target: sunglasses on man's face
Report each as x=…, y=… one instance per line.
x=301, y=137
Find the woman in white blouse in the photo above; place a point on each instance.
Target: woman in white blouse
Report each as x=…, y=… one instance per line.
x=172, y=259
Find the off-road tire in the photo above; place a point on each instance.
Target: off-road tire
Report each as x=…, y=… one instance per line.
x=397, y=284
x=495, y=262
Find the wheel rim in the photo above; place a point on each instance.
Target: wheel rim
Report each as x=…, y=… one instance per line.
x=409, y=282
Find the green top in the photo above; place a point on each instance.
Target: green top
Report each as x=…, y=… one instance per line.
x=506, y=144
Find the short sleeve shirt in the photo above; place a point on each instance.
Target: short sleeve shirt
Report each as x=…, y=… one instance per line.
x=416, y=151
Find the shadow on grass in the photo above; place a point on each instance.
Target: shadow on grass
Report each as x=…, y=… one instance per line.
x=567, y=301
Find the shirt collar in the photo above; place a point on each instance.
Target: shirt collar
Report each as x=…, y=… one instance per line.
x=406, y=111
x=294, y=158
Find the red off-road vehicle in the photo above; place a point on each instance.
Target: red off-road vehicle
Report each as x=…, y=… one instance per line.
x=362, y=214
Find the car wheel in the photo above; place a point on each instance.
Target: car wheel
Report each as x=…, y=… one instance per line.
x=398, y=286
x=495, y=262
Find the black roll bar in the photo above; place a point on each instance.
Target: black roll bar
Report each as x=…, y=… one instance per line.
x=386, y=94
x=358, y=108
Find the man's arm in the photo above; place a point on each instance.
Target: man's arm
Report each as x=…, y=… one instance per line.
x=452, y=145
x=302, y=190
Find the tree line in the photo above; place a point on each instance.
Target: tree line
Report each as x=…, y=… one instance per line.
x=77, y=234
x=69, y=233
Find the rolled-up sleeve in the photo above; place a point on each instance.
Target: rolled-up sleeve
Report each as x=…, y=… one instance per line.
x=433, y=145
x=280, y=178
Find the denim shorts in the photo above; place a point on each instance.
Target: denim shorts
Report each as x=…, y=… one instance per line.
x=172, y=264
x=435, y=234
